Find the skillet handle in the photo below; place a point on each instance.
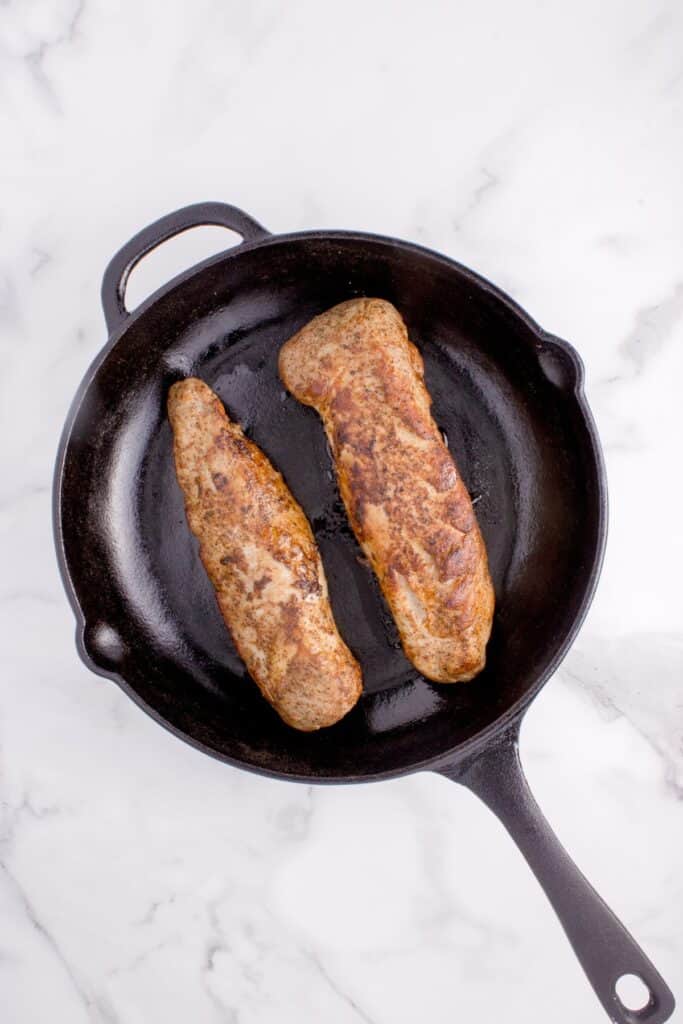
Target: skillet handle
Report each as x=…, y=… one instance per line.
x=200, y=214
x=605, y=950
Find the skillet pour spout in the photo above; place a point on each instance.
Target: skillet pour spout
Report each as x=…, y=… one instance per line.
x=509, y=398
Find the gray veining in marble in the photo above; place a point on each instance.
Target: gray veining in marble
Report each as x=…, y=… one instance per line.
x=540, y=144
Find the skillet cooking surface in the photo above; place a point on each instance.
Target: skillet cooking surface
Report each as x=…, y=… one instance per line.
x=503, y=393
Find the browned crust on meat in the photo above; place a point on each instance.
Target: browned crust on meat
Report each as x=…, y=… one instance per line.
x=403, y=493
x=260, y=555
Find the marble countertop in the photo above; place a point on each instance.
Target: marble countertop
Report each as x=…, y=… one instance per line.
x=541, y=145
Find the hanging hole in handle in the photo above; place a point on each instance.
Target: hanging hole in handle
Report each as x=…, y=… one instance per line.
x=632, y=992
x=174, y=256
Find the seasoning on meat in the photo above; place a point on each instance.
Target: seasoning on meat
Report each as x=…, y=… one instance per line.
x=260, y=555
x=404, y=496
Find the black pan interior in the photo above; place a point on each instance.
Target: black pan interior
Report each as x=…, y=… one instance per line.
x=504, y=397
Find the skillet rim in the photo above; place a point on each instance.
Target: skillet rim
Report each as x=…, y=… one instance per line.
x=443, y=758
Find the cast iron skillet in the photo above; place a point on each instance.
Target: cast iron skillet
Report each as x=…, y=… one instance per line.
x=509, y=398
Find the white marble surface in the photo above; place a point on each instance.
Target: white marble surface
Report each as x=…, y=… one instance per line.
x=540, y=144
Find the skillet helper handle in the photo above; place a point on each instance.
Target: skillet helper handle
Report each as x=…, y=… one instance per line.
x=198, y=215
x=605, y=950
